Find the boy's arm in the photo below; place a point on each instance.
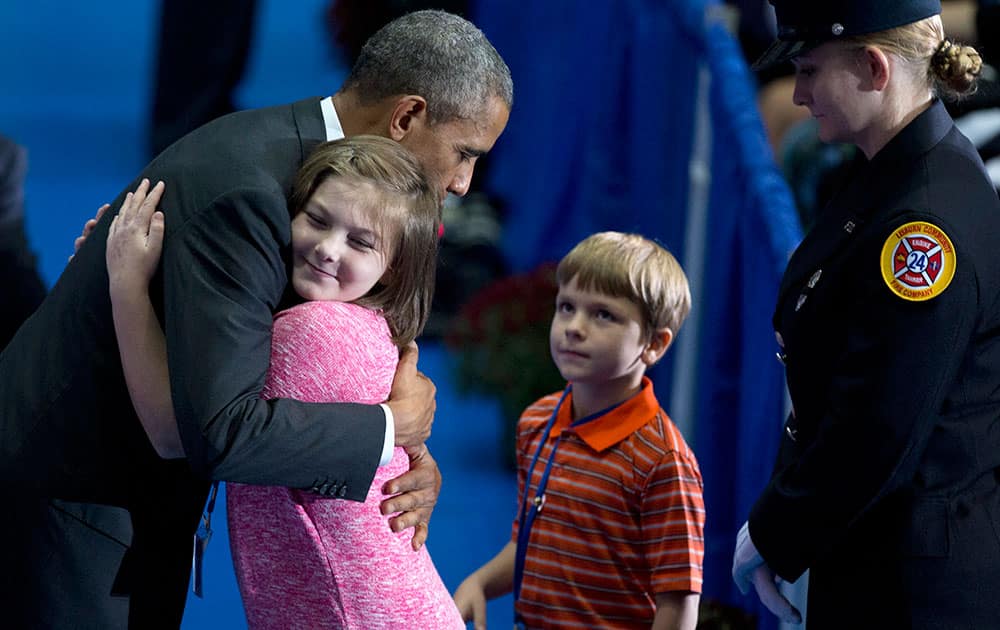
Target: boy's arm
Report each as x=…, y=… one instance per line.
x=493, y=579
x=135, y=240
x=676, y=611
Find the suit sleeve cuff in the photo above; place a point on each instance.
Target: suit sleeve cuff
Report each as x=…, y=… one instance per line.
x=390, y=436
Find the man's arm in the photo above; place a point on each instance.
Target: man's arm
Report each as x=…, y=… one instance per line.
x=412, y=397
x=223, y=276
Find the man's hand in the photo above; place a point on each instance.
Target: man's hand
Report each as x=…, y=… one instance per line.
x=749, y=569
x=417, y=491
x=411, y=401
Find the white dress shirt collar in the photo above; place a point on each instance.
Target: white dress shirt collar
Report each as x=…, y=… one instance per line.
x=333, y=129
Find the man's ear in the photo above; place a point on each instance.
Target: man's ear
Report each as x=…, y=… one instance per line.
x=409, y=110
x=657, y=345
x=878, y=66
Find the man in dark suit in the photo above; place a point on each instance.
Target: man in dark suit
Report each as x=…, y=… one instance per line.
x=429, y=80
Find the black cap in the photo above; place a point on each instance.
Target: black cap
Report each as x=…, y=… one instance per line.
x=805, y=24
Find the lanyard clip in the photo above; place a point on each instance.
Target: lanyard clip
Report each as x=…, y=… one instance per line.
x=539, y=502
x=201, y=538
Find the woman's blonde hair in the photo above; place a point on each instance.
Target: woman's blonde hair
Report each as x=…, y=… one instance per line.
x=633, y=267
x=950, y=68
x=406, y=214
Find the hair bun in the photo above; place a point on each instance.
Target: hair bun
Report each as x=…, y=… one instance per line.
x=957, y=66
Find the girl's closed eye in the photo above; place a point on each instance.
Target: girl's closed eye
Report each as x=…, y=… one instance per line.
x=364, y=242
x=315, y=219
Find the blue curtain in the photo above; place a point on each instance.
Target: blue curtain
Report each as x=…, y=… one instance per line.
x=601, y=137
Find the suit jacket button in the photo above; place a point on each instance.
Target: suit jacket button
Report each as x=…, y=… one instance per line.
x=342, y=491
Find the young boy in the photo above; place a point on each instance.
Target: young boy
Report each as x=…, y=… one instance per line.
x=611, y=517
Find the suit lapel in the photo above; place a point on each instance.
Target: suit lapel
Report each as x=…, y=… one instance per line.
x=309, y=125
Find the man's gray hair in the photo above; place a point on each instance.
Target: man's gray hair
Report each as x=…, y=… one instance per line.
x=437, y=55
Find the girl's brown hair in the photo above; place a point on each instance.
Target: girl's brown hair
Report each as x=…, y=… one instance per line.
x=406, y=213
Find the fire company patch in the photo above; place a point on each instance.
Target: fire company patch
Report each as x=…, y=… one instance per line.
x=918, y=261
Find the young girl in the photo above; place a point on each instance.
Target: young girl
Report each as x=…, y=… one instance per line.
x=364, y=232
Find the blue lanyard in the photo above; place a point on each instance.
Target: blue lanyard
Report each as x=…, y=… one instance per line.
x=530, y=509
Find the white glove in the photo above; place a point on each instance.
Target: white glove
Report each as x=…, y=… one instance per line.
x=745, y=559
x=749, y=569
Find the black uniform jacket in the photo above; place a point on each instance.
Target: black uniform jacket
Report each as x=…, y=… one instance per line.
x=67, y=427
x=885, y=481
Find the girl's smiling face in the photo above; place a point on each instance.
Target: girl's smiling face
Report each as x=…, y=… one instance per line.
x=338, y=253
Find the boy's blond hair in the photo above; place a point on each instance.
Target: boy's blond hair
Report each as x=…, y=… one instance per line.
x=635, y=268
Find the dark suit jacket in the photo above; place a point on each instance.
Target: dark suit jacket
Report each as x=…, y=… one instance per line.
x=885, y=483
x=67, y=427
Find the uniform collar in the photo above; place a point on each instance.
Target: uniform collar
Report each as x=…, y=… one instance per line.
x=868, y=192
x=613, y=427
x=920, y=136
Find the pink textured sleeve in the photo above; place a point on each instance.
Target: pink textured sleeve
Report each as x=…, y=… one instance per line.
x=331, y=352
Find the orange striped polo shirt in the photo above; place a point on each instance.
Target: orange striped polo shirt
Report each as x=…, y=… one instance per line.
x=623, y=516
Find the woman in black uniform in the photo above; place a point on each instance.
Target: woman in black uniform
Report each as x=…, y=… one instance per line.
x=888, y=322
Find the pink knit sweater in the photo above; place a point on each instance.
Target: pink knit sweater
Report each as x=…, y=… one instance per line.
x=303, y=561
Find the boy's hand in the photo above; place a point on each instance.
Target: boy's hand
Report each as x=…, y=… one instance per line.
x=470, y=598
x=135, y=240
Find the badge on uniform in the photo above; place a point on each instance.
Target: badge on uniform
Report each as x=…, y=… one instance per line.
x=918, y=261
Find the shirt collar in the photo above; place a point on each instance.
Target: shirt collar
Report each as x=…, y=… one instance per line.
x=611, y=428
x=334, y=131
